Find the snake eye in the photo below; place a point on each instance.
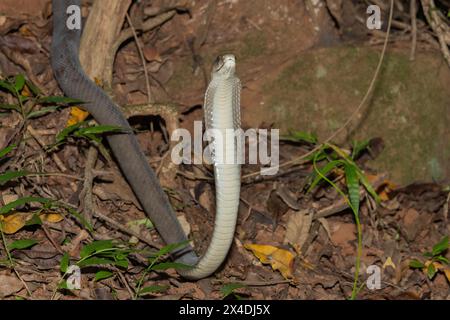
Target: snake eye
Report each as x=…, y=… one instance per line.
x=218, y=63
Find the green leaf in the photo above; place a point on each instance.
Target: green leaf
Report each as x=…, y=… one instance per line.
x=21, y=201
x=7, y=106
x=171, y=247
x=351, y=177
x=99, y=130
x=63, y=285
x=35, y=220
x=440, y=247
x=122, y=263
x=89, y=136
x=152, y=289
x=11, y=175
x=33, y=88
x=59, y=100
x=358, y=147
x=416, y=264
x=324, y=172
x=95, y=246
x=6, y=150
x=228, y=289
x=431, y=271
x=363, y=179
x=19, y=82
x=92, y=261
x=300, y=136
x=103, y=274
x=22, y=244
x=7, y=86
x=42, y=112
x=146, y=222
x=67, y=131
x=168, y=265
x=64, y=264
x=442, y=259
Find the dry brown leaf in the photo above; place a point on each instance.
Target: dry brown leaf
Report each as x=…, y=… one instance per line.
x=297, y=227
x=326, y=226
x=9, y=285
x=280, y=259
x=151, y=54
x=8, y=198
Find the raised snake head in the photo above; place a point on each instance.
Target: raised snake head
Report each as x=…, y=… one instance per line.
x=224, y=66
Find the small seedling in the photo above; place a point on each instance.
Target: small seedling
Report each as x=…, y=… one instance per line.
x=156, y=264
x=435, y=262
x=228, y=290
x=95, y=254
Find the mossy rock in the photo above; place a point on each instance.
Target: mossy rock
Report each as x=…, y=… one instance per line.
x=409, y=107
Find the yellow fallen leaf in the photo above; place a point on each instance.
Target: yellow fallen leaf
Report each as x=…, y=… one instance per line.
x=14, y=222
x=447, y=273
x=389, y=263
x=76, y=115
x=51, y=217
x=279, y=259
x=26, y=92
x=437, y=265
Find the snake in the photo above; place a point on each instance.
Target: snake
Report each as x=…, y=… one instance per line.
x=221, y=112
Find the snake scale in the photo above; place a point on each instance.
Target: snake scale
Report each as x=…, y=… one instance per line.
x=221, y=112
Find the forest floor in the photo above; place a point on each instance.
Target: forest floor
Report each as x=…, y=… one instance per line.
x=63, y=198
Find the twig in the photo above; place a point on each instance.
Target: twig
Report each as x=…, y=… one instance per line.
x=141, y=54
x=52, y=241
x=86, y=193
x=446, y=208
x=191, y=176
x=54, y=174
x=125, y=282
x=120, y=227
x=38, y=139
x=430, y=10
x=163, y=159
x=413, y=13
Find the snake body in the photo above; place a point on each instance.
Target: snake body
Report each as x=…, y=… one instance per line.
x=221, y=102
x=222, y=114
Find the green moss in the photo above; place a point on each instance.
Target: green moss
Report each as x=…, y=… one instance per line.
x=255, y=44
x=182, y=76
x=319, y=90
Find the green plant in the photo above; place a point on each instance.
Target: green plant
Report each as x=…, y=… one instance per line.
x=435, y=259
x=28, y=97
x=336, y=159
x=156, y=264
x=229, y=289
x=97, y=253
x=85, y=131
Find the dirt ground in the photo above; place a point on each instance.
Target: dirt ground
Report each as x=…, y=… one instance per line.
x=289, y=243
